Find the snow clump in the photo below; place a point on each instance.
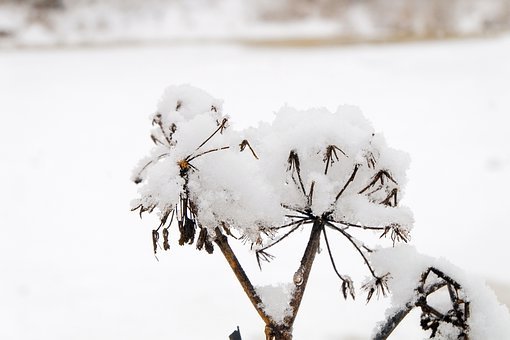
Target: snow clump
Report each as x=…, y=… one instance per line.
x=329, y=164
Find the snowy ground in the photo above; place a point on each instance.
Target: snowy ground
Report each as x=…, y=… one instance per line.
x=75, y=263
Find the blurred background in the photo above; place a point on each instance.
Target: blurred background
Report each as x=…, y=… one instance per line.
x=79, y=80
x=56, y=22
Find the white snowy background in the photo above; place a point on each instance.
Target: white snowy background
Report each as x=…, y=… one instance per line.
x=77, y=264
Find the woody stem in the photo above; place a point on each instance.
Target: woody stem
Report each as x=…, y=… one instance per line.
x=228, y=253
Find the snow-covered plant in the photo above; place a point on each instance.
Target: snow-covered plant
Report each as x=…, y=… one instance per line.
x=329, y=171
x=453, y=304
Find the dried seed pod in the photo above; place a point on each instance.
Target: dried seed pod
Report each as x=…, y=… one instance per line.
x=209, y=248
x=293, y=162
x=166, y=245
x=245, y=144
x=155, y=238
x=348, y=287
x=187, y=229
x=202, y=236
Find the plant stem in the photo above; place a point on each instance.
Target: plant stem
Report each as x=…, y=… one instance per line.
x=273, y=330
x=305, y=268
x=222, y=242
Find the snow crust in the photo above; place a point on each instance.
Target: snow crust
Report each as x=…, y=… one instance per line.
x=488, y=318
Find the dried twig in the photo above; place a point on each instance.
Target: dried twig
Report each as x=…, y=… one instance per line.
x=380, y=176
x=220, y=128
x=431, y=318
x=245, y=144
x=222, y=242
x=349, y=181
x=347, y=286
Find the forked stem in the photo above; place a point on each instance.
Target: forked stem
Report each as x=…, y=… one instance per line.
x=273, y=330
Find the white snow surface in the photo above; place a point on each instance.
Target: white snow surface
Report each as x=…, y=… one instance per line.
x=76, y=263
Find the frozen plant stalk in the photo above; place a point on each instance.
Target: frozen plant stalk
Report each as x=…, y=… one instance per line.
x=328, y=171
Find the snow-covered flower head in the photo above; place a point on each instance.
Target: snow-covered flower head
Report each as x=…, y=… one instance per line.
x=303, y=167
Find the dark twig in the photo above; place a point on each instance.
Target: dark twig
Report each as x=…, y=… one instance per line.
x=245, y=144
x=157, y=120
x=388, y=200
x=304, y=270
x=348, y=224
x=190, y=157
x=331, y=255
x=351, y=240
x=138, y=178
x=265, y=256
x=310, y=194
x=397, y=233
x=300, y=222
x=347, y=285
x=330, y=156
x=431, y=317
x=295, y=167
x=306, y=212
x=380, y=176
x=220, y=128
x=222, y=242
x=296, y=216
x=349, y=181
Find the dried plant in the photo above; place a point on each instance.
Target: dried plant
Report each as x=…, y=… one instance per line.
x=344, y=188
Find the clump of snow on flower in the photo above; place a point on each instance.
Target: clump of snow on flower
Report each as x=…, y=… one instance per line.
x=488, y=318
x=250, y=191
x=309, y=133
x=275, y=300
x=224, y=183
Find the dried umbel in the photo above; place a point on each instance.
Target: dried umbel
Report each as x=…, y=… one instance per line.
x=314, y=171
x=319, y=171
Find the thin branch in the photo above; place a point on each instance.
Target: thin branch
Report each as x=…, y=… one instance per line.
x=189, y=158
x=453, y=294
x=245, y=144
x=302, y=221
x=351, y=239
x=294, y=166
x=138, y=177
x=353, y=175
x=428, y=309
x=220, y=127
x=330, y=155
x=156, y=141
x=222, y=242
x=157, y=120
x=281, y=238
x=458, y=319
x=378, y=177
x=296, y=216
x=392, y=322
x=310, y=194
x=348, y=224
x=331, y=255
x=305, y=212
x=387, y=200
x=304, y=269
x=445, y=277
